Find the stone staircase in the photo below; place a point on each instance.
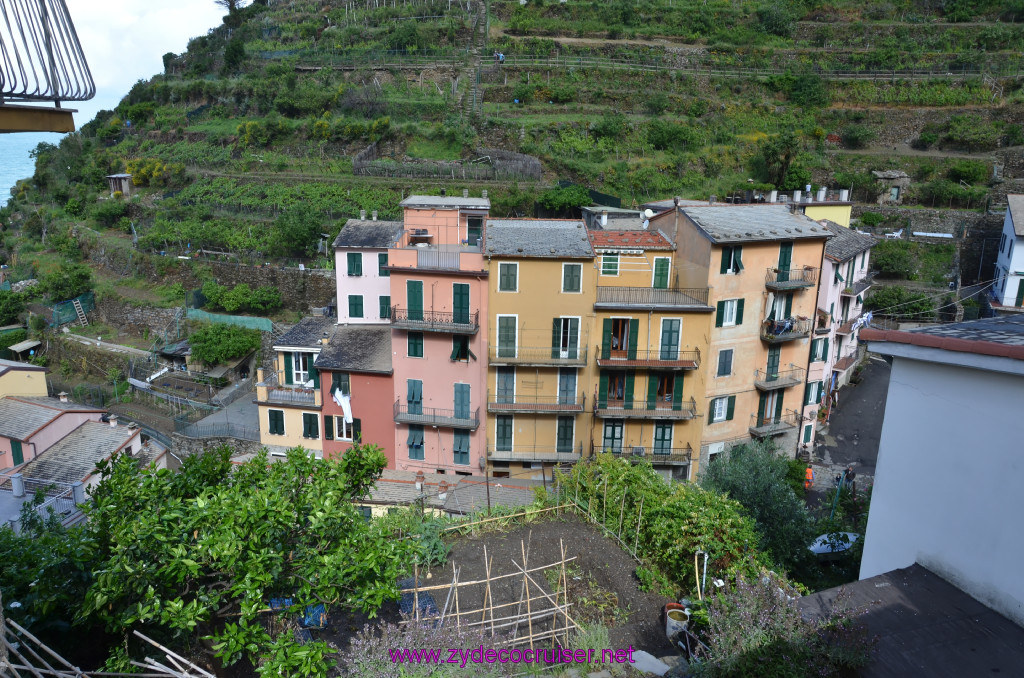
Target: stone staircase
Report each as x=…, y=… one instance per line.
x=478, y=44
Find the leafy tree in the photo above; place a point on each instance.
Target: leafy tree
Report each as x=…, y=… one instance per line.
x=234, y=54
x=297, y=232
x=109, y=212
x=564, y=199
x=857, y=136
x=810, y=91
x=968, y=171
x=12, y=305
x=230, y=5
x=755, y=475
x=67, y=282
x=775, y=157
x=218, y=343
x=198, y=554
x=894, y=259
x=612, y=126
x=776, y=20
x=899, y=302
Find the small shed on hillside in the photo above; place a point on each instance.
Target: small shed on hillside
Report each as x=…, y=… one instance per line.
x=120, y=182
x=892, y=185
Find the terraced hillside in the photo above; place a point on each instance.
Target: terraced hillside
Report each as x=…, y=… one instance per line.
x=292, y=116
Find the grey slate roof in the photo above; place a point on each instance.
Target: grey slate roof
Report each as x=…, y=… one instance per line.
x=1006, y=330
x=6, y=365
x=754, y=223
x=445, y=202
x=75, y=457
x=547, y=238
x=358, y=348
x=846, y=243
x=20, y=417
x=669, y=203
x=925, y=626
x=307, y=333
x=374, y=234
x=1016, y=208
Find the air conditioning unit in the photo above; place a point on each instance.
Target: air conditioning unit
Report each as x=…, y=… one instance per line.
x=638, y=451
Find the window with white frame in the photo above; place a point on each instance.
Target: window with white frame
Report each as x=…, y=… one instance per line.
x=508, y=277
x=725, y=362
x=300, y=367
x=609, y=264
x=729, y=312
x=572, y=277
x=721, y=409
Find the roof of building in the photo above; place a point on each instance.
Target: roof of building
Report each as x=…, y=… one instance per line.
x=651, y=239
x=23, y=346
x=22, y=416
x=548, y=238
x=179, y=349
x=1016, y=207
x=375, y=234
x=753, y=223
x=890, y=174
x=925, y=626
x=466, y=494
x=1002, y=336
x=445, y=202
x=669, y=203
x=846, y=243
x=308, y=332
x=358, y=348
x=6, y=365
x=74, y=457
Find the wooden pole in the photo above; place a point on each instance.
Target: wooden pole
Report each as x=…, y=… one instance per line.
x=458, y=621
x=416, y=588
x=622, y=509
x=529, y=619
x=478, y=581
x=604, y=519
x=639, y=518
x=565, y=591
x=490, y=596
x=543, y=592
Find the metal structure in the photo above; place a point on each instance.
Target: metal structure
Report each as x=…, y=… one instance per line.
x=41, y=61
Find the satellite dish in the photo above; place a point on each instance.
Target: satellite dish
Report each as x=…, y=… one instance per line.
x=648, y=213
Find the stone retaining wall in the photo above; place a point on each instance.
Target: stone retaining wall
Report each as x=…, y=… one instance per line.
x=187, y=447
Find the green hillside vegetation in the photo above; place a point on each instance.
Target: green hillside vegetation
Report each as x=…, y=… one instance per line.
x=275, y=127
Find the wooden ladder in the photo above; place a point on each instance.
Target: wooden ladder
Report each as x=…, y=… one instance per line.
x=82, y=319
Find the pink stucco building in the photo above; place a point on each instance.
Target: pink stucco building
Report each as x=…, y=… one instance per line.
x=361, y=268
x=30, y=425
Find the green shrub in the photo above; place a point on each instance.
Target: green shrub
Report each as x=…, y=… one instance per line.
x=776, y=20
x=871, y=219
x=67, y=282
x=12, y=305
x=109, y=212
x=218, y=343
x=968, y=171
x=810, y=91
x=10, y=339
x=857, y=136
x=899, y=302
x=893, y=259
x=656, y=104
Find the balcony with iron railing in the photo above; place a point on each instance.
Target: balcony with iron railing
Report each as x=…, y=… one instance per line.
x=773, y=425
x=16, y=491
x=445, y=322
x=535, y=404
x=680, y=456
x=787, y=280
x=272, y=391
x=404, y=413
x=659, y=408
x=778, y=331
x=778, y=379
x=553, y=453
x=537, y=356
x=659, y=359
x=680, y=299
x=858, y=287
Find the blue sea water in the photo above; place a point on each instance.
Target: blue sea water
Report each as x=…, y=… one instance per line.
x=15, y=162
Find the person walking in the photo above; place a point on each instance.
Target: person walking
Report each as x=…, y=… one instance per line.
x=808, y=478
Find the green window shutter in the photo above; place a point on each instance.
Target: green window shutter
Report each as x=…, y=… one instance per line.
x=628, y=393
x=1019, y=301
x=737, y=256
x=556, y=337
x=574, y=337
x=357, y=430
x=824, y=350
x=288, y=368
x=414, y=298
x=719, y=313
x=670, y=329
x=789, y=305
x=634, y=335
x=661, y=273
x=739, y=311
x=563, y=434
x=506, y=337
x=462, y=401
x=730, y=408
x=461, y=446
x=385, y=306
x=606, y=338
x=382, y=265
x=335, y=381
x=507, y=275
x=778, y=406
x=414, y=344
x=355, y=305
x=807, y=394
x=760, y=408
x=860, y=299
x=314, y=374
x=503, y=433
x=571, y=277
x=328, y=427
x=677, y=392
x=821, y=391
x=726, y=257
x=711, y=410
x=355, y=263
x=17, y=454
x=460, y=302
x=807, y=434
x=602, y=391
x=652, y=390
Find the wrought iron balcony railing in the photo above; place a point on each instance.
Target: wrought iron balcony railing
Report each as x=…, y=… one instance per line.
x=660, y=359
x=555, y=453
x=460, y=322
x=773, y=425
x=770, y=381
x=690, y=298
x=538, y=356
x=646, y=409
x=270, y=390
x=777, y=331
x=41, y=59
x=858, y=287
x=655, y=455
x=791, y=279
x=434, y=416
x=537, y=404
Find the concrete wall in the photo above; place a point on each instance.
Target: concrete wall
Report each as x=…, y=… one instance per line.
x=371, y=285
x=693, y=249
x=1009, y=264
x=292, y=436
x=372, y=402
x=16, y=382
x=839, y=214
x=947, y=485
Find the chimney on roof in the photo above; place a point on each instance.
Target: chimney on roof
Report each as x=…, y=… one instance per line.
x=63, y=396
x=465, y=193
x=711, y=199
x=604, y=218
x=675, y=201
x=362, y=215
x=113, y=421
x=324, y=339
x=374, y=215
x=419, y=480
x=442, y=491
x=483, y=194
x=444, y=192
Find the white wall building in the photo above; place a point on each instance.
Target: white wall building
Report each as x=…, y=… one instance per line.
x=1008, y=288
x=361, y=260
x=947, y=491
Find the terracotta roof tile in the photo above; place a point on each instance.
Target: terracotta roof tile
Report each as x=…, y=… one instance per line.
x=646, y=240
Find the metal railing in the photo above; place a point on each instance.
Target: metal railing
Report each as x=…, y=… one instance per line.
x=655, y=455
x=791, y=279
x=284, y=395
x=858, y=286
x=768, y=381
x=775, y=331
x=661, y=359
x=556, y=404
x=536, y=453
x=221, y=430
x=40, y=56
x=771, y=424
x=58, y=497
x=647, y=409
x=437, y=259
x=652, y=297
x=435, y=416
x=435, y=321
x=537, y=356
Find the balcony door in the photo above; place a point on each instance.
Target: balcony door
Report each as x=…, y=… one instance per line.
x=506, y=336
x=506, y=387
x=619, y=338
x=663, y=438
x=462, y=401
x=612, y=440
x=414, y=299
x=564, y=434
x=565, y=338
x=460, y=303
x=661, y=265
x=18, y=457
x=566, y=387
x=769, y=408
x=670, y=338
x=774, y=358
x=785, y=260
